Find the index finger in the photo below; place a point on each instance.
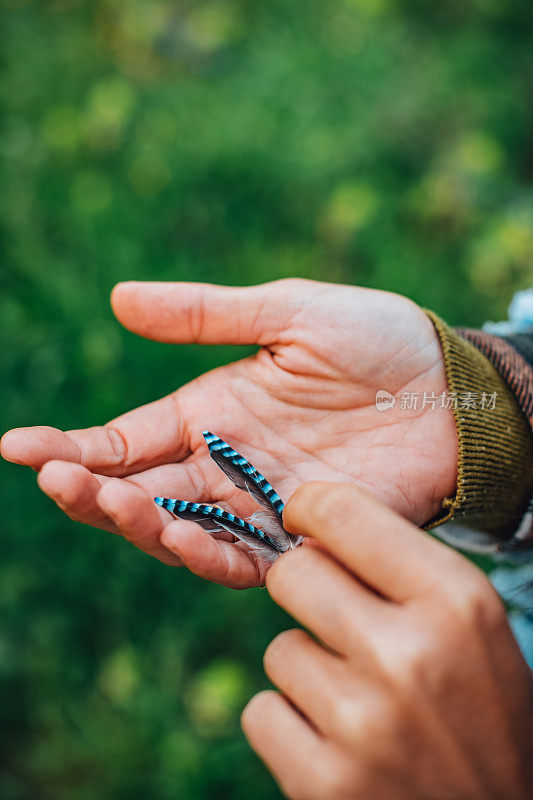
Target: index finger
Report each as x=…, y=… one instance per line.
x=382, y=549
x=150, y=435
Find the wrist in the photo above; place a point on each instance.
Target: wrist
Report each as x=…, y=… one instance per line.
x=495, y=447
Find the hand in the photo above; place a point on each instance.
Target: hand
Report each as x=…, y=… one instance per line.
x=418, y=692
x=301, y=408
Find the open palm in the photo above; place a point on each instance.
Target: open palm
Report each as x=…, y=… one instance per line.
x=302, y=408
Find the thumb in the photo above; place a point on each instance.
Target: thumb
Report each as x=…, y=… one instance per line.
x=207, y=314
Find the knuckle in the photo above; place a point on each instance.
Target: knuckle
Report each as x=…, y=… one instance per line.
x=374, y=718
x=197, y=315
x=198, y=478
x=478, y=604
x=346, y=717
x=415, y=665
x=331, y=779
x=117, y=446
x=418, y=654
x=411, y=666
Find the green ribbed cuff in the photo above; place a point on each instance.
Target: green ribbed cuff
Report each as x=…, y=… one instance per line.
x=495, y=463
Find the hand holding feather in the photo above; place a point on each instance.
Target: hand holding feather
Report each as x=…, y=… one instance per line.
x=302, y=407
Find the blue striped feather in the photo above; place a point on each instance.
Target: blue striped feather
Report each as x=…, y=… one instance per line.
x=271, y=538
x=243, y=474
x=213, y=518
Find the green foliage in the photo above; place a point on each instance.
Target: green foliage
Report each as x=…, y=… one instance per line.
x=380, y=142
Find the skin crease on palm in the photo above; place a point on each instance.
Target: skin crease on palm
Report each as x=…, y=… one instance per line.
x=302, y=408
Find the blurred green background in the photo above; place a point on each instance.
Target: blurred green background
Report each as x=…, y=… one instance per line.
x=381, y=142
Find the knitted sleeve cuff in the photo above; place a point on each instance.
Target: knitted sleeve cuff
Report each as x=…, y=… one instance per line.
x=495, y=463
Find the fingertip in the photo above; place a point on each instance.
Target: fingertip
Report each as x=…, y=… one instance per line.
x=126, y=503
x=27, y=445
x=119, y=297
x=302, y=503
x=196, y=549
x=51, y=472
x=211, y=558
x=140, y=307
x=289, y=568
x=106, y=498
x=183, y=538
x=315, y=506
x=113, y=490
x=120, y=289
x=61, y=480
x=8, y=446
x=199, y=551
x=255, y=708
x=275, y=573
x=35, y=446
